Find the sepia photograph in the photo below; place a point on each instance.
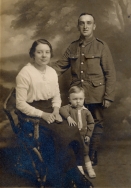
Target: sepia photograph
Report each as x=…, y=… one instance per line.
x=65, y=93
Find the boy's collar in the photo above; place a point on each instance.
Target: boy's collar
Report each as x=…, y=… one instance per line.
x=82, y=108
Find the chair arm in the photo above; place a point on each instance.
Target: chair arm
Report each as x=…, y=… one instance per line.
x=34, y=120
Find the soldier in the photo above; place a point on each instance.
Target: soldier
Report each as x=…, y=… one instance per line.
x=91, y=68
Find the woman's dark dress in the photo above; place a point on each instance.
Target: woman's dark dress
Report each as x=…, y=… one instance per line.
x=60, y=144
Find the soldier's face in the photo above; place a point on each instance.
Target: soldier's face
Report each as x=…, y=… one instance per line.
x=86, y=25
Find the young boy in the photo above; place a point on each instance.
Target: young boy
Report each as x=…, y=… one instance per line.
x=77, y=115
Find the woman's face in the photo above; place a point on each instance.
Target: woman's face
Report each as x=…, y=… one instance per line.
x=42, y=54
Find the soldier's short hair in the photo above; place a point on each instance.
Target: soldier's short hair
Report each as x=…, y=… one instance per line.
x=86, y=13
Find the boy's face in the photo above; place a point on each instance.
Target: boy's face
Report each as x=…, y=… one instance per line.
x=77, y=99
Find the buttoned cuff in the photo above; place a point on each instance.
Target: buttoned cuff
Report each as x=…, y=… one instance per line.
x=38, y=113
x=56, y=105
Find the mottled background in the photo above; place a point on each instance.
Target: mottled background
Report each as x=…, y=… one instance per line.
x=23, y=21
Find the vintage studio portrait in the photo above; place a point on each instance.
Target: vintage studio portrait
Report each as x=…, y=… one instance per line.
x=65, y=94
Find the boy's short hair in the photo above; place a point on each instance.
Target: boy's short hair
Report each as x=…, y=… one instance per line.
x=76, y=89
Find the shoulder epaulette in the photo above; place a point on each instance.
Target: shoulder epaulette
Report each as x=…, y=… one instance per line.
x=75, y=41
x=100, y=40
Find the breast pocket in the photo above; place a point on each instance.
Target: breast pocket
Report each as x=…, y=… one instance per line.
x=73, y=59
x=93, y=64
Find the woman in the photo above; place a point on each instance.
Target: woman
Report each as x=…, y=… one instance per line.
x=38, y=95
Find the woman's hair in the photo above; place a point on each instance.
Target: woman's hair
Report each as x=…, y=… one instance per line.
x=76, y=89
x=35, y=43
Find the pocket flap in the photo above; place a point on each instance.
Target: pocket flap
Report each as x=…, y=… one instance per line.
x=98, y=82
x=92, y=56
x=73, y=56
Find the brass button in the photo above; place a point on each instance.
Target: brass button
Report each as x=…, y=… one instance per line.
x=82, y=54
x=81, y=71
x=82, y=63
x=82, y=80
x=100, y=83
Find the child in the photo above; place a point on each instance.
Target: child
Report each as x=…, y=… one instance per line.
x=77, y=115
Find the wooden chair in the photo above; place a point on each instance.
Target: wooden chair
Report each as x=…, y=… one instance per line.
x=30, y=140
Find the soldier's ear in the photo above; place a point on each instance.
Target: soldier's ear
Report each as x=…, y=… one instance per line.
x=69, y=100
x=94, y=27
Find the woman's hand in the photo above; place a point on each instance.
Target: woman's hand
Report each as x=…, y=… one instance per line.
x=58, y=117
x=71, y=121
x=48, y=117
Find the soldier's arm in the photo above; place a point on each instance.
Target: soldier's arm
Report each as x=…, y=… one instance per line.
x=63, y=64
x=109, y=73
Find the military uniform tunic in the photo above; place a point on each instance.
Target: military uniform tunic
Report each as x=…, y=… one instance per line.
x=91, y=67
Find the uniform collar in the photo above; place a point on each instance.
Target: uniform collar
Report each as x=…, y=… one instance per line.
x=86, y=41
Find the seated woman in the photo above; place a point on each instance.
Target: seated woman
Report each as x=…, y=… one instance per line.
x=38, y=95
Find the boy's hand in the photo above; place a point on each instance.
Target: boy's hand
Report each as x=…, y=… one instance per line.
x=87, y=139
x=71, y=121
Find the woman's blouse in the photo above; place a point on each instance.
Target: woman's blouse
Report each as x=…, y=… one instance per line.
x=33, y=85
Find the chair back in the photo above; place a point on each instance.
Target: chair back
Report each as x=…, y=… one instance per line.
x=16, y=117
x=9, y=108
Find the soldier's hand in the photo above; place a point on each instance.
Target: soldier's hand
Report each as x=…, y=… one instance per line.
x=87, y=139
x=106, y=103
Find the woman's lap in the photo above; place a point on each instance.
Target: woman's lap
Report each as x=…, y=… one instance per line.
x=65, y=140
x=63, y=132
x=58, y=140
